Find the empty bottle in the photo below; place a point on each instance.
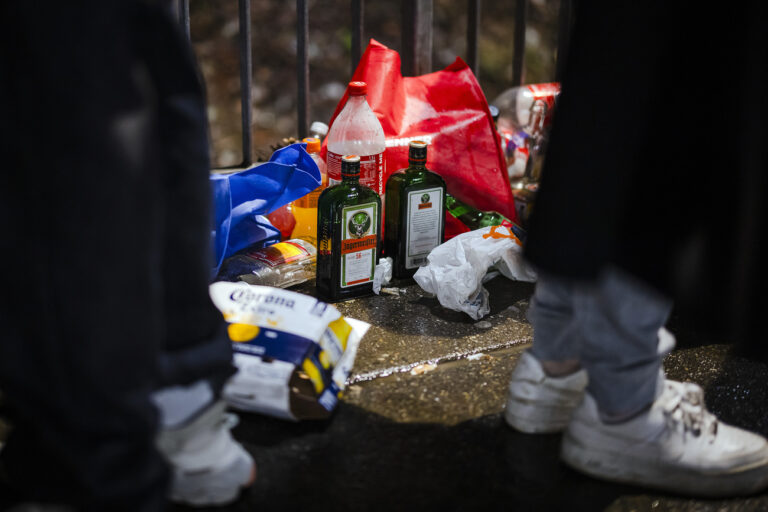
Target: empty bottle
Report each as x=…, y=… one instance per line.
x=527, y=108
x=476, y=219
x=526, y=113
x=305, y=208
x=357, y=131
x=318, y=130
x=349, y=236
x=281, y=265
x=414, y=213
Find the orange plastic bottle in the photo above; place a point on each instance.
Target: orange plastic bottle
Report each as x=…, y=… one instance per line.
x=305, y=208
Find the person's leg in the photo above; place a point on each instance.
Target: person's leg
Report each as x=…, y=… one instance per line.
x=556, y=342
x=82, y=323
x=547, y=385
x=636, y=427
x=208, y=466
x=107, y=297
x=620, y=319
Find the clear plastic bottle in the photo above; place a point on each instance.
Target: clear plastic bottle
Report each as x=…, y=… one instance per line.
x=305, y=208
x=527, y=108
x=357, y=131
x=318, y=130
x=281, y=265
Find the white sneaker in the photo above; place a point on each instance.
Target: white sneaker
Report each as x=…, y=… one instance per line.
x=209, y=467
x=537, y=403
x=675, y=446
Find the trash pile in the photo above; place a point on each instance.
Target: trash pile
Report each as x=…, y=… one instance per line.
x=524, y=117
x=412, y=178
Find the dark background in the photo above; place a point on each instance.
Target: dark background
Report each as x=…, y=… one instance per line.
x=214, y=32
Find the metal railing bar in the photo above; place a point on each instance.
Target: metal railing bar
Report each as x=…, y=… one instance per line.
x=473, y=29
x=302, y=66
x=565, y=17
x=246, y=74
x=518, y=58
x=184, y=16
x=358, y=14
x=416, y=36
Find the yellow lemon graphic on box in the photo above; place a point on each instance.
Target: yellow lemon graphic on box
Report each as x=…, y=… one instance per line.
x=314, y=375
x=341, y=329
x=241, y=333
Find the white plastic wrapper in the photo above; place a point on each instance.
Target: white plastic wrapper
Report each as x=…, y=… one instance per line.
x=382, y=274
x=455, y=269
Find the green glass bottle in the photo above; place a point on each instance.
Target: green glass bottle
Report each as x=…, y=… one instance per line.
x=476, y=219
x=415, y=213
x=349, y=236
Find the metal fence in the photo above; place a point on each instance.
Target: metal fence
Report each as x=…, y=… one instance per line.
x=416, y=53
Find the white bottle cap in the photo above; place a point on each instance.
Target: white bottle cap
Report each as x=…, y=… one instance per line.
x=319, y=127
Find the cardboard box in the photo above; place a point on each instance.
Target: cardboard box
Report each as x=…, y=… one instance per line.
x=293, y=352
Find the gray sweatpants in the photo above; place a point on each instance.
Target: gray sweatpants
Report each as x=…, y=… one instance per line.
x=611, y=326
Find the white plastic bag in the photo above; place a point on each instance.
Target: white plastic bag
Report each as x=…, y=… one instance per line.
x=455, y=269
x=382, y=274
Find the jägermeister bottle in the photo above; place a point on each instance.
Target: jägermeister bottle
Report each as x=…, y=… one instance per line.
x=349, y=235
x=415, y=213
x=476, y=219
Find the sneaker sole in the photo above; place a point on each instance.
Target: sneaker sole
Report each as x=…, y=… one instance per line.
x=532, y=418
x=618, y=467
x=217, y=488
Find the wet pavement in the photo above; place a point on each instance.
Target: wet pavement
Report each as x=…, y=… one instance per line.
x=420, y=426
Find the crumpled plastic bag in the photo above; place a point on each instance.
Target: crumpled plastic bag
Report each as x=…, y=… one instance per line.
x=382, y=274
x=242, y=199
x=455, y=269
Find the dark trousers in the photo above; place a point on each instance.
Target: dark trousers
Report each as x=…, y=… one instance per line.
x=105, y=231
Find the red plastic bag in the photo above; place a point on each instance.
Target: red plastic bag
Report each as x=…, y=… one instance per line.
x=448, y=110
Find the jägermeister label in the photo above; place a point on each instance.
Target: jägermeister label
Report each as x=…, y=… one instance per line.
x=358, y=245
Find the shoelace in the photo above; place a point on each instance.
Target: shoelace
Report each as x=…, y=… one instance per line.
x=684, y=409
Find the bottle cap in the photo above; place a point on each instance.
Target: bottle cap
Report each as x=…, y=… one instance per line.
x=319, y=127
x=417, y=152
x=358, y=88
x=494, y=112
x=350, y=165
x=313, y=144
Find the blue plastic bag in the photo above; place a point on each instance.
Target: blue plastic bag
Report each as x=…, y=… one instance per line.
x=242, y=199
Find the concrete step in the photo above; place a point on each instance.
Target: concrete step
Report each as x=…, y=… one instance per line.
x=420, y=426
